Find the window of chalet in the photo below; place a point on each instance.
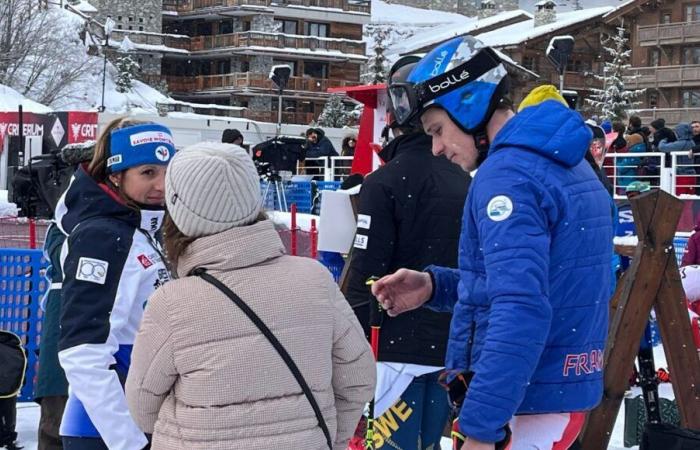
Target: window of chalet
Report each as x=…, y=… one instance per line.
x=692, y=12
x=223, y=66
x=654, y=57
x=691, y=55
x=204, y=29
x=226, y=27
x=315, y=69
x=691, y=98
x=530, y=63
x=652, y=98
x=287, y=26
x=666, y=17
x=316, y=29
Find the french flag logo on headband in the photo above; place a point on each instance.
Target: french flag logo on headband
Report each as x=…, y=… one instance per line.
x=139, y=145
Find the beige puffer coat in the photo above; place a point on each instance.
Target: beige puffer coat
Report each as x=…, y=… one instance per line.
x=203, y=377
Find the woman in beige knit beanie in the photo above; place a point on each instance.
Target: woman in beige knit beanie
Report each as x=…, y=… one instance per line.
x=202, y=375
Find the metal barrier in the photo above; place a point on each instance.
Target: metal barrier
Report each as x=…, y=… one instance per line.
x=334, y=168
x=625, y=168
x=340, y=168
x=22, y=284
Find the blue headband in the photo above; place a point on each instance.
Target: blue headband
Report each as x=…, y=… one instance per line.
x=138, y=145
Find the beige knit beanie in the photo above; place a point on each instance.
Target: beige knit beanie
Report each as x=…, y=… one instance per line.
x=212, y=187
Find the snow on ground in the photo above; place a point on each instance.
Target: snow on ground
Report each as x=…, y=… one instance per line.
x=383, y=12
x=28, y=415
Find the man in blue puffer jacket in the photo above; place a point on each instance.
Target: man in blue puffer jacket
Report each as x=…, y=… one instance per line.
x=530, y=297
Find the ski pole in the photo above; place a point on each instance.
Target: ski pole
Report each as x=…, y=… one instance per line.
x=375, y=323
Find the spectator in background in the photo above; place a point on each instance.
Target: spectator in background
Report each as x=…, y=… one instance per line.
x=232, y=136
x=318, y=144
x=596, y=155
x=660, y=132
x=695, y=127
x=691, y=253
x=685, y=173
x=634, y=126
x=348, y=147
x=619, y=144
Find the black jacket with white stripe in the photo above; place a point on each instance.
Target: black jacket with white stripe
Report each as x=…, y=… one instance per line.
x=409, y=216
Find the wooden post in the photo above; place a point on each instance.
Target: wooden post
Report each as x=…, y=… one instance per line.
x=652, y=279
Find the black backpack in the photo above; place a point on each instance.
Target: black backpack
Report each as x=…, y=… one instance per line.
x=13, y=361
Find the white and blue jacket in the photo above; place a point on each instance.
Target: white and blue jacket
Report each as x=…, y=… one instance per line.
x=111, y=263
x=533, y=284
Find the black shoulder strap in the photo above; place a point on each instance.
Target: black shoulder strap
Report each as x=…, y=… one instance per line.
x=201, y=273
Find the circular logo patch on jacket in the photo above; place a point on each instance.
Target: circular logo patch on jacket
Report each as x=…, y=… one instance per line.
x=499, y=208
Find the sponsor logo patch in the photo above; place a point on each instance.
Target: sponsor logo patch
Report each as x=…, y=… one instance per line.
x=364, y=221
x=499, y=208
x=145, y=262
x=150, y=137
x=112, y=160
x=92, y=270
x=361, y=241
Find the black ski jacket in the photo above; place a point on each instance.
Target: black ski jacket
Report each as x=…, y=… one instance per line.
x=410, y=215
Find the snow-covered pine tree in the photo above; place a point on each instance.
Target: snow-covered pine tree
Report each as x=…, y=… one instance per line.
x=377, y=65
x=127, y=69
x=614, y=101
x=334, y=114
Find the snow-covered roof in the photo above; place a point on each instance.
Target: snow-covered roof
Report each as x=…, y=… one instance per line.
x=383, y=12
x=146, y=47
x=467, y=25
x=11, y=99
x=84, y=6
x=520, y=32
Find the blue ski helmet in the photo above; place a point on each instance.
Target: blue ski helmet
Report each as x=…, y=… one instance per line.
x=462, y=76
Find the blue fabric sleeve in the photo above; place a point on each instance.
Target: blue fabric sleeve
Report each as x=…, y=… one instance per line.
x=445, y=283
x=517, y=289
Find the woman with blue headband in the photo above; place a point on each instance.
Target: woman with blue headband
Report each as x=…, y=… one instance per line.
x=112, y=261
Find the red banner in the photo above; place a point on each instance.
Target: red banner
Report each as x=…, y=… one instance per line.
x=82, y=126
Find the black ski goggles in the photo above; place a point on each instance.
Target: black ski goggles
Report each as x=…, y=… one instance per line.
x=409, y=98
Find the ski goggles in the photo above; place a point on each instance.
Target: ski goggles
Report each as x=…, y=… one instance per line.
x=409, y=98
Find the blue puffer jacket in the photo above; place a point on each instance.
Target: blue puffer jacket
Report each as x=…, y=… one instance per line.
x=533, y=282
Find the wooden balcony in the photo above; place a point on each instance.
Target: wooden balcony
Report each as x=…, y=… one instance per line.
x=185, y=6
x=673, y=116
x=663, y=77
x=668, y=34
x=268, y=40
x=243, y=81
x=345, y=5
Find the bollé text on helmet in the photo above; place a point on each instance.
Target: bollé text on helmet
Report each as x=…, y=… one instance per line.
x=451, y=80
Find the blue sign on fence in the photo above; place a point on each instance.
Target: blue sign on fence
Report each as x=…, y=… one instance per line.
x=22, y=284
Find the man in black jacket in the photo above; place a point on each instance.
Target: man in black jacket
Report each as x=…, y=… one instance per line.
x=409, y=215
